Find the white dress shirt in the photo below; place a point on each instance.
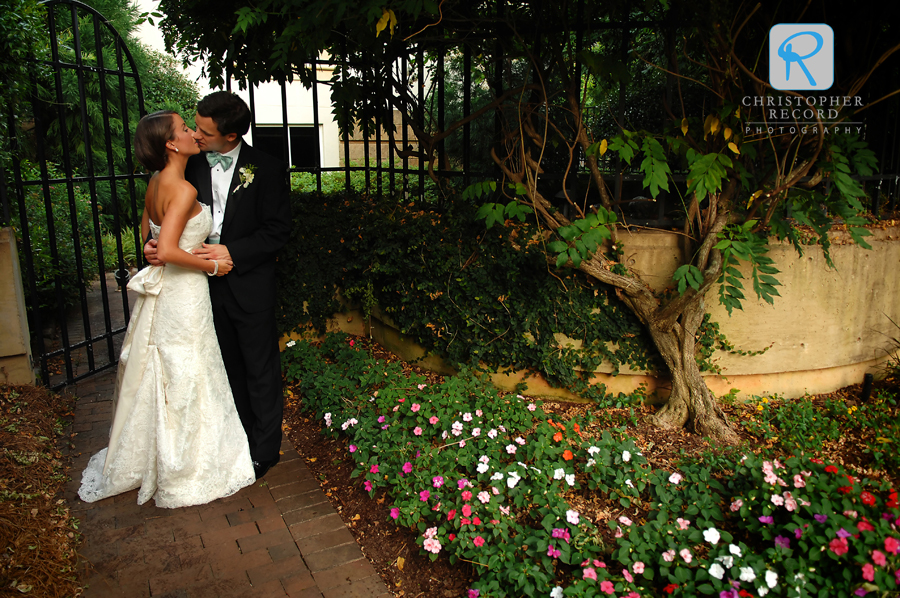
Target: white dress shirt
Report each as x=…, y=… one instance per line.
x=221, y=180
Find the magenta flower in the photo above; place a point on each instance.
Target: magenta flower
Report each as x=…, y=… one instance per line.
x=820, y=518
x=395, y=512
x=424, y=495
x=367, y=485
x=437, y=481
x=471, y=593
x=782, y=542
x=407, y=467
x=798, y=533
x=352, y=448
x=553, y=552
x=478, y=541
x=868, y=572
x=767, y=519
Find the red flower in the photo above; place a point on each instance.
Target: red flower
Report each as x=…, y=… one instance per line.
x=567, y=455
x=867, y=498
x=452, y=537
x=845, y=489
x=838, y=546
x=831, y=469
x=670, y=588
x=892, y=500
x=816, y=460
x=865, y=526
x=745, y=594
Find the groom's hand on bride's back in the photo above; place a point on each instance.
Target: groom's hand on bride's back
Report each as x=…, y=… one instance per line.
x=150, y=253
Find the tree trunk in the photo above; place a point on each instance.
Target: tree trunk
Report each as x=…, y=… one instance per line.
x=690, y=403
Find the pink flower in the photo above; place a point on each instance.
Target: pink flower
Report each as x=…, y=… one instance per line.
x=532, y=406
x=401, y=400
x=799, y=482
x=879, y=558
x=589, y=573
x=484, y=497
x=437, y=481
x=891, y=545
x=395, y=512
x=380, y=419
x=478, y=541
x=417, y=431
x=838, y=546
x=407, y=467
x=638, y=568
x=736, y=505
x=633, y=594
x=451, y=514
x=607, y=587
x=467, y=510
x=433, y=420
x=668, y=556
x=367, y=485
x=686, y=555
x=473, y=594
x=466, y=495
x=421, y=386
x=432, y=545
x=683, y=523
x=374, y=469
x=868, y=572
x=619, y=532
x=424, y=495
x=351, y=343
x=625, y=521
x=415, y=407
x=627, y=576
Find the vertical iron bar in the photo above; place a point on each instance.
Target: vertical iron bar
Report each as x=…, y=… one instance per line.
x=467, y=109
x=420, y=117
x=111, y=169
x=441, y=121
x=314, y=65
x=286, y=138
x=405, y=132
x=252, y=102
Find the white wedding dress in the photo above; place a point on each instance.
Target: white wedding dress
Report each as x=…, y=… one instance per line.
x=175, y=434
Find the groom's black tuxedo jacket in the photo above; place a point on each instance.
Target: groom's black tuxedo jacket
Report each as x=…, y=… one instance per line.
x=257, y=224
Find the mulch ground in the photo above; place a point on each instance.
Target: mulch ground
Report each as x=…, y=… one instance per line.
x=38, y=538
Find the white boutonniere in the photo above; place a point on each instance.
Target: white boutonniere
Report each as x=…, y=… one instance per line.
x=246, y=176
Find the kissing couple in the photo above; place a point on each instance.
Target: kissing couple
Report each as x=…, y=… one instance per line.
x=199, y=403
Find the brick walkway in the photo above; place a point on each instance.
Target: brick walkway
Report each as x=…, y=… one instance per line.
x=277, y=537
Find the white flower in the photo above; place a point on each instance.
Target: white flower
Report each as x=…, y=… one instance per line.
x=735, y=550
x=629, y=484
x=556, y=592
x=519, y=440
x=492, y=434
x=559, y=474
x=497, y=476
x=290, y=343
x=247, y=173
x=482, y=467
x=511, y=449
x=626, y=456
x=572, y=517
x=717, y=571
x=328, y=419
x=513, y=479
x=728, y=561
x=590, y=463
x=467, y=416
x=762, y=591
x=712, y=536
x=484, y=458
x=747, y=574
x=570, y=479
x=593, y=451
x=771, y=578
x=476, y=432
x=675, y=478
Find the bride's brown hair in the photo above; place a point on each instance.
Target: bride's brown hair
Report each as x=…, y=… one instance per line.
x=150, y=139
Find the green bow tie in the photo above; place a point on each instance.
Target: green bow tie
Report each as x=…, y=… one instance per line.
x=216, y=158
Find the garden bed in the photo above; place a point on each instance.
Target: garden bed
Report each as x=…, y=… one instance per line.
x=847, y=440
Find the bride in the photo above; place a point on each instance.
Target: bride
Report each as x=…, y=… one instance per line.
x=175, y=433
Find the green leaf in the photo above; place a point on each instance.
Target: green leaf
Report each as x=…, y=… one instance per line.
x=557, y=246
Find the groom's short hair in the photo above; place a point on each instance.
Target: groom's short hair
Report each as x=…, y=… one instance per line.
x=228, y=111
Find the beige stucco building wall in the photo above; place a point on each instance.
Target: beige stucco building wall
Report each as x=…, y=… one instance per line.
x=828, y=329
x=15, y=343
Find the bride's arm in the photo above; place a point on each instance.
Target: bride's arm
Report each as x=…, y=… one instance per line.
x=178, y=212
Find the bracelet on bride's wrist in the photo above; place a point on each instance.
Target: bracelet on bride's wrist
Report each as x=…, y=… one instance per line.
x=215, y=270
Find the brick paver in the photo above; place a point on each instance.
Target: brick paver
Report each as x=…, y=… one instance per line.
x=279, y=537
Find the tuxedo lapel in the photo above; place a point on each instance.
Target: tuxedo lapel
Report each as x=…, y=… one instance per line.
x=204, y=180
x=235, y=190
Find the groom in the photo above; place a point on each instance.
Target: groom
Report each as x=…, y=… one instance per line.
x=248, y=193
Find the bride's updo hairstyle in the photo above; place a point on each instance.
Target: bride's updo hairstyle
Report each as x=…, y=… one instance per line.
x=150, y=137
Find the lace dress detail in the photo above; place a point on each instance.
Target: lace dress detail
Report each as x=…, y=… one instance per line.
x=175, y=434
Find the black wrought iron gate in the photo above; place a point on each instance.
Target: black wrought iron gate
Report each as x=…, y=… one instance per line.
x=71, y=192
